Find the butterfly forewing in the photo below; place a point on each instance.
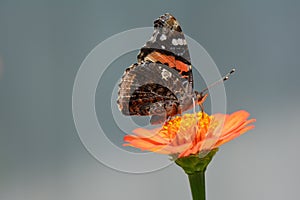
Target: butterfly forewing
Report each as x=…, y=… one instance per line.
x=168, y=46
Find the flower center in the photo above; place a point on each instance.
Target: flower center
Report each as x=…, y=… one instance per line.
x=186, y=126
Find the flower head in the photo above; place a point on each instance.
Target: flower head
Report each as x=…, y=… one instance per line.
x=191, y=133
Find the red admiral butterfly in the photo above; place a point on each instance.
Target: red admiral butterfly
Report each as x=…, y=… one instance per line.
x=161, y=83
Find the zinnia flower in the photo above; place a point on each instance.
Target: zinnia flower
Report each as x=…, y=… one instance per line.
x=191, y=134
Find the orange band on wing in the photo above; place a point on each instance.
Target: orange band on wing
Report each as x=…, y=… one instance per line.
x=169, y=60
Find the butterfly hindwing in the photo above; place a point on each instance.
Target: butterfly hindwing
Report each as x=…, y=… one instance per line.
x=150, y=89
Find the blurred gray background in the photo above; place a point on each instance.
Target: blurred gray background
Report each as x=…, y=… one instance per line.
x=43, y=43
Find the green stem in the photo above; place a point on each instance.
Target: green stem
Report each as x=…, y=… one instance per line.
x=195, y=168
x=197, y=183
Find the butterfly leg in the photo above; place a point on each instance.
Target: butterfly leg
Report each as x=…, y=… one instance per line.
x=202, y=110
x=200, y=100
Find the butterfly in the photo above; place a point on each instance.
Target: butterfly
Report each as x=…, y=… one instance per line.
x=160, y=84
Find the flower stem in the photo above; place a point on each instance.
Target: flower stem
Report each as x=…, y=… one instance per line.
x=195, y=167
x=197, y=184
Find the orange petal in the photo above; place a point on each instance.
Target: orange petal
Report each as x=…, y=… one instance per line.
x=234, y=121
x=153, y=134
x=142, y=143
x=232, y=135
x=145, y=132
x=192, y=150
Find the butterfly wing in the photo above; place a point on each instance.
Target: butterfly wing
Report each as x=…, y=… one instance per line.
x=150, y=89
x=161, y=83
x=168, y=46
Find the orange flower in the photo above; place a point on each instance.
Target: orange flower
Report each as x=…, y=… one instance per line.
x=191, y=133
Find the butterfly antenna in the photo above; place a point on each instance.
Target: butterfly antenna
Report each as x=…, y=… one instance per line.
x=224, y=78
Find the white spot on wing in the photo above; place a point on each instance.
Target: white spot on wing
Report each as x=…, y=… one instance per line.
x=163, y=47
x=163, y=37
x=165, y=74
x=180, y=41
x=174, y=42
